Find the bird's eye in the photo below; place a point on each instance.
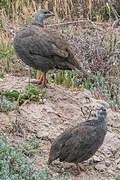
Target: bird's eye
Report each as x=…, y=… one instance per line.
x=45, y=12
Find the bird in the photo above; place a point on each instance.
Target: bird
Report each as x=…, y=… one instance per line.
x=43, y=49
x=81, y=142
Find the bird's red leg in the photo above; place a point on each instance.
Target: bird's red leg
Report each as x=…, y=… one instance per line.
x=41, y=80
x=44, y=79
x=79, y=169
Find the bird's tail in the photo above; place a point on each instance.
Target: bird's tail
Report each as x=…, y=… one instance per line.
x=81, y=71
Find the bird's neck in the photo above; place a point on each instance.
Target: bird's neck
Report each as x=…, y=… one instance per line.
x=39, y=22
x=101, y=118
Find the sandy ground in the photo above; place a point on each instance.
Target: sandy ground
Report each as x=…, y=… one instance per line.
x=62, y=109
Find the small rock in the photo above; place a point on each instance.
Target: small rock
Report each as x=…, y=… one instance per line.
x=42, y=134
x=103, y=103
x=7, y=75
x=107, y=163
x=100, y=167
x=117, y=161
x=44, y=100
x=111, y=172
x=118, y=167
x=96, y=159
x=107, y=152
x=30, y=81
x=102, y=157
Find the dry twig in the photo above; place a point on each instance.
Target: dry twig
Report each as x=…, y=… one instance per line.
x=117, y=17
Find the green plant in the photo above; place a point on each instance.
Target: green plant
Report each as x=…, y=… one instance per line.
x=32, y=93
x=1, y=75
x=30, y=148
x=109, y=90
x=11, y=95
x=6, y=105
x=113, y=42
x=118, y=177
x=65, y=78
x=15, y=165
x=9, y=100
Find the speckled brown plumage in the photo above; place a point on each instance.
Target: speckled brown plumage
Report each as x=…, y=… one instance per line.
x=43, y=49
x=79, y=143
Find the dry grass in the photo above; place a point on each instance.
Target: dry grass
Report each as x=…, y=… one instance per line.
x=92, y=9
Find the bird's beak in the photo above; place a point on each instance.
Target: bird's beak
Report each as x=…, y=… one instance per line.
x=51, y=14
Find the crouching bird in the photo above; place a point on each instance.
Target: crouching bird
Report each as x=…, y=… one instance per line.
x=79, y=143
x=42, y=49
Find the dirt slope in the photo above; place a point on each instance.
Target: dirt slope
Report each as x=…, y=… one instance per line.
x=62, y=109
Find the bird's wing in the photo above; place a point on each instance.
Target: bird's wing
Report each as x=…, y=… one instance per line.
x=83, y=137
x=58, y=144
x=45, y=43
x=62, y=138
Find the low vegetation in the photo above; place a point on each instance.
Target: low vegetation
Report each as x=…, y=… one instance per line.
x=118, y=178
x=1, y=75
x=93, y=9
x=10, y=100
x=15, y=163
x=7, y=57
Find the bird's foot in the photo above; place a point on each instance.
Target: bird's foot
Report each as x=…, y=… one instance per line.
x=42, y=85
x=43, y=80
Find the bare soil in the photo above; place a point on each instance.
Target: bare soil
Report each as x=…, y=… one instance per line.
x=61, y=110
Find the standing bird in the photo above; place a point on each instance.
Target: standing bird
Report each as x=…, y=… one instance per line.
x=43, y=49
x=79, y=143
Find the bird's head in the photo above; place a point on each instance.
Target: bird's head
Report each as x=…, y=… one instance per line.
x=102, y=113
x=44, y=14
x=41, y=15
